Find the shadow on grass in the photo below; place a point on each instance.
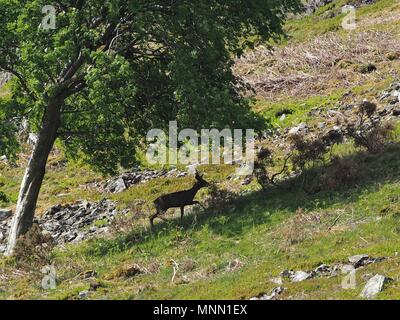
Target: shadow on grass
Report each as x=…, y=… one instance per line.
x=257, y=208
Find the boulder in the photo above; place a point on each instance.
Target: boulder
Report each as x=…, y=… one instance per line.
x=300, y=276
x=358, y=260
x=300, y=129
x=374, y=286
x=117, y=186
x=323, y=270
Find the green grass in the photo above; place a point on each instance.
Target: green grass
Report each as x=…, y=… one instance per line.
x=254, y=228
x=60, y=185
x=320, y=23
x=299, y=109
x=253, y=231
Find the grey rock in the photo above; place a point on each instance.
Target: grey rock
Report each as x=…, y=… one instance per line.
x=384, y=95
x=5, y=214
x=84, y=294
x=303, y=126
x=358, y=260
x=72, y=222
x=312, y=5
x=182, y=174
x=287, y=273
x=395, y=93
x=128, y=179
x=374, y=286
x=272, y=296
x=323, y=269
x=32, y=139
x=118, y=186
x=246, y=181
x=300, y=276
x=294, y=130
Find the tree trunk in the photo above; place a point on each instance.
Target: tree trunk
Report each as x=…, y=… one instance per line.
x=34, y=174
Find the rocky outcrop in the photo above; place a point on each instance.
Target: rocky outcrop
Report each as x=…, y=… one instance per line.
x=71, y=223
x=126, y=180
x=313, y=5
x=275, y=293
x=324, y=270
x=333, y=119
x=374, y=285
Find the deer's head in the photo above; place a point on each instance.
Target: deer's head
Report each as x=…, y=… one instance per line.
x=200, y=182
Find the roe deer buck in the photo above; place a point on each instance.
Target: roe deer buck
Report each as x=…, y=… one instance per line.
x=179, y=199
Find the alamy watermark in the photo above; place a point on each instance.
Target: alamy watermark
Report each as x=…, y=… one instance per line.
x=49, y=20
x=349, y=21
x=208, y=146
x=349, y=282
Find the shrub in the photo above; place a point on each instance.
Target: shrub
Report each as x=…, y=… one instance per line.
x=263, y=165
x=391, y=56
x=219, y=199
x=3, y=197
x=283, y=111
x=369, y=132
x=34, y=249
x=366, y=68
x=307, y=151
x=343, y=173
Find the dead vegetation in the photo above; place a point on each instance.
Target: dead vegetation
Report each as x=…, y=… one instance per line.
x=34, y=250
x=324, y=63
x=368, y=131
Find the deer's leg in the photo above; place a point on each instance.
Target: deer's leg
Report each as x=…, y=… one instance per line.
x=152, y=219
x=154, y=216
x=182, y=213
x=158, y=214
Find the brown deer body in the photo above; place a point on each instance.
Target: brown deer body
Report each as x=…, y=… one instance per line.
x=179, y=199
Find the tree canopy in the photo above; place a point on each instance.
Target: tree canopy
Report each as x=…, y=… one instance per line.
x=122, y=67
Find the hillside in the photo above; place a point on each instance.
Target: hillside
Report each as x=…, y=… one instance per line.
x=248, y=242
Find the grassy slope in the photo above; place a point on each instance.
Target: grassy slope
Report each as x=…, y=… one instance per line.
x=255, y=230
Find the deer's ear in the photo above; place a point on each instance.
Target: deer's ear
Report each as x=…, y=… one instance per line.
x=198, y=176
